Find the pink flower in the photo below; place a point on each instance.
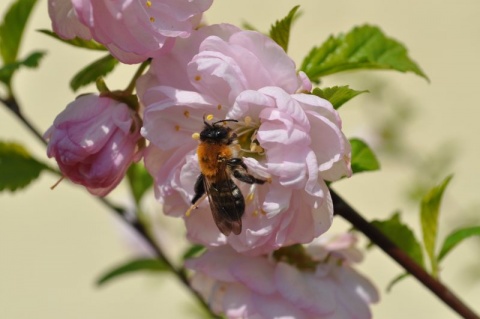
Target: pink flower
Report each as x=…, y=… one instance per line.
x=288, y=284
x=132, y=30
x=94, y=141
x=295, y=138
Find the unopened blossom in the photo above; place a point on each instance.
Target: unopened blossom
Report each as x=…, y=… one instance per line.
x=291, y=283
x=133, y=30
x=291, y=138
x=94, y=140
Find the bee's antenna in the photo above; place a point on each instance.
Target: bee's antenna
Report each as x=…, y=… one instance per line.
x=226, y=120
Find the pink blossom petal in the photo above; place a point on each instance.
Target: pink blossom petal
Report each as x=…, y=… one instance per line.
x=256, y=274
x=65, y=21
x=171, y=69
x=288, y=105
x=304, y=293
x=281, y=70
x=322, y=107
x=328, y=142
x=277, y=307
x=174, y=118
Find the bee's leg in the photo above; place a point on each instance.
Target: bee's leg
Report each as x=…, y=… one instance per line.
x=200, y=194
x=239, y=170
x=235, y=162
x=199, y=189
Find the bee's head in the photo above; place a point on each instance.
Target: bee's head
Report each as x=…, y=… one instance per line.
x=217, y=132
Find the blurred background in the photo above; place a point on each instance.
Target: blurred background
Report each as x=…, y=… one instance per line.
x=55, y=244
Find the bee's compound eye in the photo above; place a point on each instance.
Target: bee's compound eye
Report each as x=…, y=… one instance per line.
x=220, y=133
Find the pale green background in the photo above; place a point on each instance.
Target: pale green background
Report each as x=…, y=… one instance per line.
x=53, y=244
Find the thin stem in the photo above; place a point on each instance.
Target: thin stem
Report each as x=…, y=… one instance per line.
x=140, y=70
x=180, y=273
x=343, y=209
x=12, y=104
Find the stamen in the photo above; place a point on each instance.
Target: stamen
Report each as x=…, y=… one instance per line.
x=187, y=114
x=219, y=107
x=148, y=4
x=209, y=117
x=152, y=19
x=249, y=197
x=197, y=78
x=177, y=127
x=196, y=136
x=247, y=120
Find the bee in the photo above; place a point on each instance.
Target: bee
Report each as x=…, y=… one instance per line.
x=218, y=163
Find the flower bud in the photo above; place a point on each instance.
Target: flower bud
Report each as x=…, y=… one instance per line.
x=94, y=141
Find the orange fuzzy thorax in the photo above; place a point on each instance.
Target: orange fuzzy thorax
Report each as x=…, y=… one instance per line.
x=209, y=156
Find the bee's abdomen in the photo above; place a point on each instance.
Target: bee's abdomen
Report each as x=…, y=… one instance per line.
x=230, y=200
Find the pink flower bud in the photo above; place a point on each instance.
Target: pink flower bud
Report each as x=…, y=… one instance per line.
x=94, y=140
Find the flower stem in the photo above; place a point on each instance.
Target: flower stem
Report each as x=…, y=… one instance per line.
x=180, y=272
x=343, y=209
x=12, y=104
x=131, y=86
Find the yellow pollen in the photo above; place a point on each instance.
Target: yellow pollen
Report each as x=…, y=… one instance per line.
x=255, y=213
x=219, y=107
x=177, y=127
x=152, y=19
x=148, y=3
x=209, y=117
x=187, y=114
x=247, y=120
x=196, y=136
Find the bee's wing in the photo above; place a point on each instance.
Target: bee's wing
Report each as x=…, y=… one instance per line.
x=226, y=202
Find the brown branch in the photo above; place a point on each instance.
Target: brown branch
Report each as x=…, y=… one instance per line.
x=143, y=233
x=343, y=209
x=12, y=104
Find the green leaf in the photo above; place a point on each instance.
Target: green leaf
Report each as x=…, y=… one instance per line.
x=363, y=158
x=193, y=251
x=455, y=238
x=429, y=212
x=17, y=167
x=402, y=236
x=280, y=31
x=337, y=95
x=139, y=180
x=248, y=26
x=396, y=280
x=12, y=28
x=77, y=42
x=93, y=71
x=152, y=265
x=31, y=61
x=364, y=47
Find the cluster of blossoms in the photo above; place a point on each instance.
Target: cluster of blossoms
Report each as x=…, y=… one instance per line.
x=287, y=136
x=295, y=282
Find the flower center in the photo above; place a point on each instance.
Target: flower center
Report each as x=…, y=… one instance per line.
x=297, y=256
x=247, y=139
